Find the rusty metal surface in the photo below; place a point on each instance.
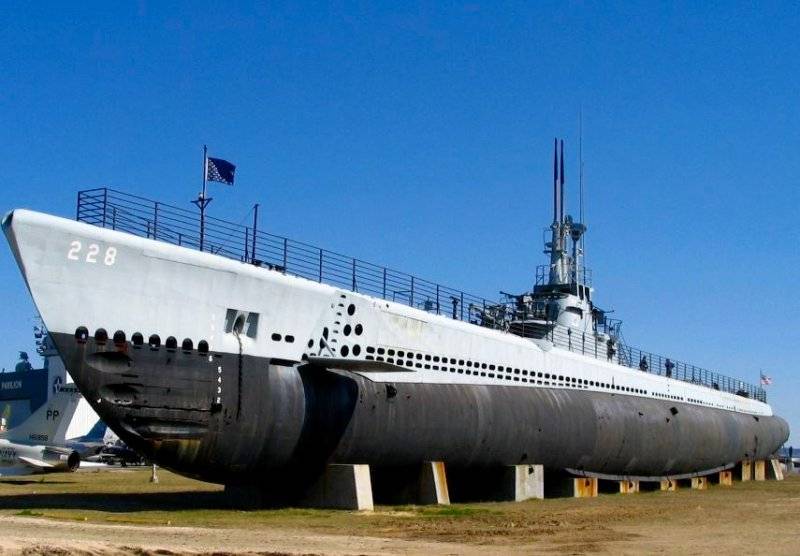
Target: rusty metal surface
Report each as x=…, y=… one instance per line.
x=296, y=419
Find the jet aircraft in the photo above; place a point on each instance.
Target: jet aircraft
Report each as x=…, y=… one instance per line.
x=38, y=445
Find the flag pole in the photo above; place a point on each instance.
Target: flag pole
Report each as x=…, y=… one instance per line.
x=201, y=201
x=203, y=197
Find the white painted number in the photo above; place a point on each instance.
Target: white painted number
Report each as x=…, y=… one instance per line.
x=111, y=256
x=91, y=254
x=74, y=249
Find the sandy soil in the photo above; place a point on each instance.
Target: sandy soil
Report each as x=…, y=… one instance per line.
x=120, y=513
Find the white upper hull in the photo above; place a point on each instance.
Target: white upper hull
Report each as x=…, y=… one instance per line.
x=82, y=275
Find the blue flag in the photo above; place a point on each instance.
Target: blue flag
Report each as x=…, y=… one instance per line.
x=220, y=170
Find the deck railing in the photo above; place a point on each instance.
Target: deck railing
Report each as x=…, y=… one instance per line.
x=586, y=344
x=113, y=209
x=109, y=208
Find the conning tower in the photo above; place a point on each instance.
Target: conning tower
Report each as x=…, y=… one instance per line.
x=562, y=294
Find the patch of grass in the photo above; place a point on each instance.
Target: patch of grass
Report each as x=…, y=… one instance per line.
x=451, y=511
x=29, y=513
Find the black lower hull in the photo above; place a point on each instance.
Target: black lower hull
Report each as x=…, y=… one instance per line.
x=229, y=418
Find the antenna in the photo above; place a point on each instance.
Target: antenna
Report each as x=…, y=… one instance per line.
x=580, y=168
x=555, y=181
x=562, y=182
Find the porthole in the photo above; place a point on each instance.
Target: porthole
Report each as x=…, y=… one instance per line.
x=289, y=339
x=276, y=337
x=325, y=332
x=347, y=329
x=202, y=347
x=137, y=339
x=100, y=336
x=119, y=338
x=357, y=350
x=311, y=343
x=187, y=344
x=345, y=351
x=154, y=341
x=171, y=343
x=81, y=333
x=370, y=349
x=351, y=309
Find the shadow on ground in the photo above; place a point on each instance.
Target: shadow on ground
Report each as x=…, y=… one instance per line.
x=16, y=482
x=132, y=502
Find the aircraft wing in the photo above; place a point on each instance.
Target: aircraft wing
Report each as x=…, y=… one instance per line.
x=37, y=463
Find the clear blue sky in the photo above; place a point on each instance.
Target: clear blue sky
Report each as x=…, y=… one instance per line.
x=420, y=136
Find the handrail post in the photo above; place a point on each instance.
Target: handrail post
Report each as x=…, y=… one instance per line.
x=437, y=299
x=320, y=265
x=285, y=249
x=155, y=221
x=384, y=282
x=412, y=291
x=354, y=275
x=105, y=205
x=255, y=232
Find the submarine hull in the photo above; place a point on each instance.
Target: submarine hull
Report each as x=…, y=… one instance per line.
x=296, y=418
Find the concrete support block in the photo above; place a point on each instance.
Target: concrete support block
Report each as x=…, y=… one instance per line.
x=584, y=487
x=774, y=470
x=433, y=484
x=524, y=482
x=628, y=487
x=699, y=483
x=344, y=487
x=560, y=484
x=744, y=470
x=669, y=485
x=725, y=478
x=760, y=470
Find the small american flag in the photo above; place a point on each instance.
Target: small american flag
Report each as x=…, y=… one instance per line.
x=220, y=170
x=765, y=380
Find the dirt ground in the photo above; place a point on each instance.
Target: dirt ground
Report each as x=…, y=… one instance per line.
x=120, y=512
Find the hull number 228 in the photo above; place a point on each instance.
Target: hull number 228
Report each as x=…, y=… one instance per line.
x=92, y=254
